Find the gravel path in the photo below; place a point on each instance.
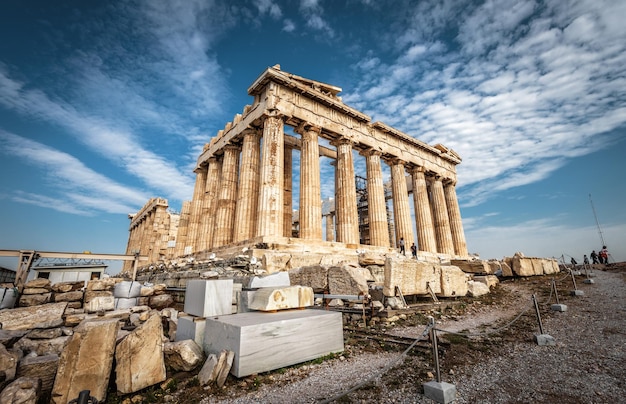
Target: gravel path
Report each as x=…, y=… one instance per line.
x=585, y=366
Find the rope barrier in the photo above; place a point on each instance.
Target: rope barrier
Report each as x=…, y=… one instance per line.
x=384, y=370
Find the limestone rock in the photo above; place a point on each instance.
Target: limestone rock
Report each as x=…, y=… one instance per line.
x=9, y=337
x=63, y=287
x=209, y=370
x=476, y=289
x=314, y=276
x=44, y=333
x=453, y=281
x=100, y=303
x=42, y=346
x=161, y=301
x=224, y=369
x=474, y=266
x=490, y=280
x=34, y=300
x=275, y=261
x=103, y=284
x=139, y=357
x=72, y=296
x=24, y=318
x=348, y=280
x=35, y=291
x=183, y=355
x=281, y=298
x=86, y=362
x=40, y=367
x=38, y=283
x=92, y=294
x=25, y=390
x=370, y=258
x=413, y=277
x=8, y=362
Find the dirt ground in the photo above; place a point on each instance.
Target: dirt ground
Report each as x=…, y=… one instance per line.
x=498, y=363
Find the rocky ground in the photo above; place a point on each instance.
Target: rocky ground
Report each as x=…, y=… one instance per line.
x=498, y=363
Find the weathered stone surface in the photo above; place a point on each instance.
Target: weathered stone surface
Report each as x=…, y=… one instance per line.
x=378, y=273
x=370, y=258
x=225, y=362
x=550, y=266
x=161, y=301
x=8, y=362
x=275, y=261
x=73, y=319
x=476, y=289
x=453, y=281
x=314, y=276
x=9, y=337
x=72, y=296
x=102, y=284
x=25, y=390
x=63, y=287
x=35, y=291
x=522, y=266
x=490, y=280
x=473, y=266
x=42, y=346
x=209, y=370
x=277, y=298
x=276, y=279
x=34, y=300
x=38, y=283
x=413, y=277
x=183, y=355
x=100, y=303
x=348, y=280
x=92, y=294
x=139, y=357
x=40, y=367
x=44, y=333
x=86, y=362
x=24, y=318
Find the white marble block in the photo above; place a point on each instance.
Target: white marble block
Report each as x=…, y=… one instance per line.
x=268, y=341
x=190, y=327
x=282, y=298
x=277, y=279
x=209, y=298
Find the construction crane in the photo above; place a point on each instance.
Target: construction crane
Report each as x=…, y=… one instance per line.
x=26, y=258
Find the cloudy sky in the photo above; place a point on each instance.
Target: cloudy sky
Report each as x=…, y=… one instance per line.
x=106, y=104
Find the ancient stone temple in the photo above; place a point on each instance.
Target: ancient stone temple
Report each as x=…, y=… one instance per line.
x=243, y=202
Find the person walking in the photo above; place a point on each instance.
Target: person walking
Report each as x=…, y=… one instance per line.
x=401, y=243
x=414, y=250
x=604, y=255
x=585, y=259
x=594, y=257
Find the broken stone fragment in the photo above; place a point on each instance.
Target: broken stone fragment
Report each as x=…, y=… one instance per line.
x=183, y=355
x=277, y=298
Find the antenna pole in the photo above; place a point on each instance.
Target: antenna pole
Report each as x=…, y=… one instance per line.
x=597, y=223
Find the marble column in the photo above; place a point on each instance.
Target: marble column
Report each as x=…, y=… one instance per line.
x=211, y=194
x=248, y=195
x=271, y=192
x=227, y=202
x=345, y=191
x=401, y=208
x=288, y=195
x=376, y=208
x=424, y=220
x=196, y=207
x=330, y=227
x=441, y=219
x=310, y=185
x=454, y=214
x=183, y=225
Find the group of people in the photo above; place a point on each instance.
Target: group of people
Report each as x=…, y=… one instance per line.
x=599, y=258
x=403, y=251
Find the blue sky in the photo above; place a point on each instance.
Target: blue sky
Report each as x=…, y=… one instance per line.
x=106, y=104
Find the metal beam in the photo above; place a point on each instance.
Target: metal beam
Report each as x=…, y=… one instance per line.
x=50, y=254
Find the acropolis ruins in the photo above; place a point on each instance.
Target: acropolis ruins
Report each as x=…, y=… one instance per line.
x=242, y=200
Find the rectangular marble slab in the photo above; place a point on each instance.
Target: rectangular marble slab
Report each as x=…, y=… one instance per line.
x=209, y=298
x=277, y=279
x=190, y=327
x=268, y=341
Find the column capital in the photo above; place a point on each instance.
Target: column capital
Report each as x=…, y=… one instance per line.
x=417, y=169
x=449, y=181
x=305, y=127
x=272, y=113
x=395, y=161
x=370, y=152
x=342, y=140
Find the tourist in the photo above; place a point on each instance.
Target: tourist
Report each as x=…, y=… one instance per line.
x=414, y=250
x=604, y=255
x=585, y=259
x=574, y=263
x=594, y=257
x=402, y=246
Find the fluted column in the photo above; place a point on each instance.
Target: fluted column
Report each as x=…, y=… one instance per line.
x=454, y=214
x=330, y=227
x=271, y=193
x=183, y=225
x=196, y=207
x=209, y=207
x=288, y=194
x=227, y=201
x=424, y=221
x=310, y=186
x=401, y=208
x=248, y=195
x=345, y=190
x=441, y=220
x=377, y=212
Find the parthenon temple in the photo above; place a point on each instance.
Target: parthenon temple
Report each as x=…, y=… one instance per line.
x=242, y=199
